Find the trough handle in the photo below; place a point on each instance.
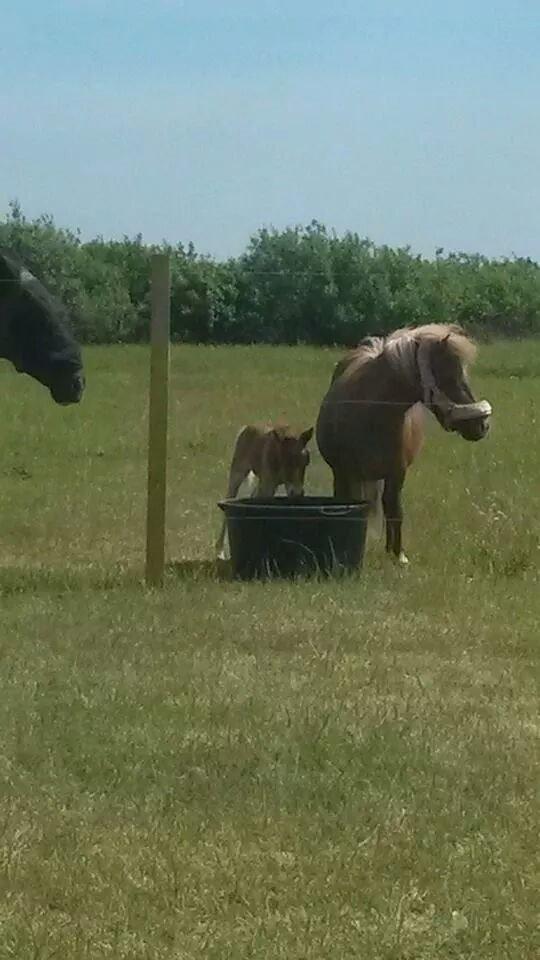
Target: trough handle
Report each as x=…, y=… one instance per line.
x=335, y=511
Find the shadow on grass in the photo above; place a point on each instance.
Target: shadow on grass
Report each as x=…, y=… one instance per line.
x=20, y=579
x=199, y=570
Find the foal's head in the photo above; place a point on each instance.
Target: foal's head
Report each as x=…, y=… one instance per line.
x=290, y=458
x=443, y=353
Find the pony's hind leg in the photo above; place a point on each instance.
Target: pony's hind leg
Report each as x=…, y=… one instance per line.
x=370, y=491
x=342, y=487
x=393, y=513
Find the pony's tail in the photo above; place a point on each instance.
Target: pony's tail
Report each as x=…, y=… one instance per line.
x=372, y=490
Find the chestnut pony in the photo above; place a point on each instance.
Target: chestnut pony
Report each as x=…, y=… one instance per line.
x=370, y=424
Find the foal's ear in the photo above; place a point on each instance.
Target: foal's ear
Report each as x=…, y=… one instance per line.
x=306, y=436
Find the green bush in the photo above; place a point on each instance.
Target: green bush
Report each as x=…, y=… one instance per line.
x=299, y=285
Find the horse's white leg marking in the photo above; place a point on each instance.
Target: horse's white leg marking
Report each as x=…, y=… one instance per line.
x=220, y=542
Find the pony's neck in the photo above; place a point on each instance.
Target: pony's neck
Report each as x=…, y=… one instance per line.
x=401, y=356
x=400, y=385
x=383, y=373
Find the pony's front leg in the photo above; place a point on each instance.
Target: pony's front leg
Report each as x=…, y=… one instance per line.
x=266, y=489
x=393, y=513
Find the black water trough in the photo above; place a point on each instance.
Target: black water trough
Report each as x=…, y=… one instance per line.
x=294, y=537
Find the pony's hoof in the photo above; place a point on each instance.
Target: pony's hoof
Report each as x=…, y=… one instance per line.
x=403, y=560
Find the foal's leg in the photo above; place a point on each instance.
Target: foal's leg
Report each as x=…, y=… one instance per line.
x=266, y=488
x=393, y=513
x=237, y=475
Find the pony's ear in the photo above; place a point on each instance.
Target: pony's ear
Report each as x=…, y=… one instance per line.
x=443, y=342
x=306, y=436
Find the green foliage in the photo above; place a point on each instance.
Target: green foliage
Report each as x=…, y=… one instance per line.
x=299, y=285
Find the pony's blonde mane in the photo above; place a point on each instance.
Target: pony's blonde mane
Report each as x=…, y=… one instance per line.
x=399, y=348
x=355, y=359
x=458, y=342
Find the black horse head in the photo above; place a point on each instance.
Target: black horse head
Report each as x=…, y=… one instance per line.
x=34, y=333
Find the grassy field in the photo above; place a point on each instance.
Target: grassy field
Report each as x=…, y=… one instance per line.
x=296, y=771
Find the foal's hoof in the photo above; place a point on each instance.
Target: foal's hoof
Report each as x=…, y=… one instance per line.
x=403, y=560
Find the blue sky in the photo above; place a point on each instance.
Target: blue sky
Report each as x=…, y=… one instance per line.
x=409, y=122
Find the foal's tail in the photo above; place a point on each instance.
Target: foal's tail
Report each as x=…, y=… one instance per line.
x=372, y=490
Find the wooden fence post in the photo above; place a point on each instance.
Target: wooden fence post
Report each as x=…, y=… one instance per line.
x=158, y=420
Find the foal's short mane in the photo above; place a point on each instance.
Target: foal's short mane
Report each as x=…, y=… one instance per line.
x=399, y=348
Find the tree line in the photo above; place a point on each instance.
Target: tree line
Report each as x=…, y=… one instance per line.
x=304, y=284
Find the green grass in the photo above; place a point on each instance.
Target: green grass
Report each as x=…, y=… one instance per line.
x=297, y=771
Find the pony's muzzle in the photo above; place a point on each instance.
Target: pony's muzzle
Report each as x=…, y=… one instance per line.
x=471, y=421
x=460, y=412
